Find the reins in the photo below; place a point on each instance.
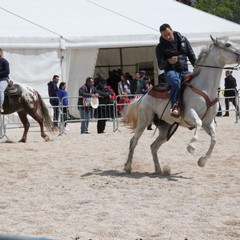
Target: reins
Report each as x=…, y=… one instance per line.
x=229, y=68
x=209, y=103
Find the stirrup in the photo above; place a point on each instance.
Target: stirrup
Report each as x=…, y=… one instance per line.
x=175, y=112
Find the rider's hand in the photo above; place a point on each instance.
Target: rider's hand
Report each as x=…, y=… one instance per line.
x=173, y=60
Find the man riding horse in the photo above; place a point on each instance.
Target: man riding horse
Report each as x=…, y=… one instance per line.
x=4, y=72
x=172, y=53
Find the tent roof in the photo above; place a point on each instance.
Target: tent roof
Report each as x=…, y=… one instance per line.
x=104, y=23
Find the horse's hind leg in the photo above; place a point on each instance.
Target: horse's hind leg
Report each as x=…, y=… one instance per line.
x=39, y=119
x=23, y=117
x=133, y=143
x=144, y=119
x=162, y=138
x=210, y=130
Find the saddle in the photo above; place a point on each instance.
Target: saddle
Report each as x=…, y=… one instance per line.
x=160, y=91
x=163, y=91
x=12, y=89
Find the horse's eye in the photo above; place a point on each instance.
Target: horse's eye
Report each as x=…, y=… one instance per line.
x=228, y=45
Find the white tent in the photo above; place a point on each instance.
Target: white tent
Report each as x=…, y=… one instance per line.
x=70, y=38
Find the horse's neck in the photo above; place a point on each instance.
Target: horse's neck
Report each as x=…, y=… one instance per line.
x=208, y=79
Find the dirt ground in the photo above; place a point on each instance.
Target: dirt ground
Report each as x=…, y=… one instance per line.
x=74, y=186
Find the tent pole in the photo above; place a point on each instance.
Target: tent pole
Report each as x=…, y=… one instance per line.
x=62, y=52
x=121, y=59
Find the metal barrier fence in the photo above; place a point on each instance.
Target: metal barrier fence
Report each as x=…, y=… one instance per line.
x=222, y=100
x=109, y=112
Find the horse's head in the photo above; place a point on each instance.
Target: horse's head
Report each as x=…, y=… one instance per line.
x=229, y=51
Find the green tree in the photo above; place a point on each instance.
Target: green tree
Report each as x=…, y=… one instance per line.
x=228, y=9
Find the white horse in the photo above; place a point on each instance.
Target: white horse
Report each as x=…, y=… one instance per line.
x=199, y=104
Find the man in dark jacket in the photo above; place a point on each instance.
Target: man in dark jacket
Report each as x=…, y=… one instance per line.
x=103, y=110
x=4, y=72
x=172, y=54
x=86, y=92
x=54, y=101
x=230, y=91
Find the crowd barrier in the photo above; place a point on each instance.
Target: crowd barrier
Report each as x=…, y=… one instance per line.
x=109, y=112
x=221, y=104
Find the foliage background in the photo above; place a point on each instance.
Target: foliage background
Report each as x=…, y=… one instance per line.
x=227, y=9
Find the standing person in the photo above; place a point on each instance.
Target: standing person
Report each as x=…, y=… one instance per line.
x=4, y=72
x=62, y=94
x=123, y=91
x=135, y=83
x=86, y=92
x=172, y=53
x=124, y=86
x=54, y=101
x=230, y=91
x=103, y=110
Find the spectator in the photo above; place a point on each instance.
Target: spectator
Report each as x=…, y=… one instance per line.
x=135, y=83
x=230, y=92
x=146, y=86
x=113, y=80
x=123, y=86
x=86, y=92
x=112, y=101
x=63, y=98
x=54, y=101
x=103, y=110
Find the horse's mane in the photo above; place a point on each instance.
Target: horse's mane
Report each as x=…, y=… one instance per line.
x=204, y=53
x=201, y=59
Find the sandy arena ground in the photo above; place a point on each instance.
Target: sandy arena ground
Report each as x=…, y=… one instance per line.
x=74, y=186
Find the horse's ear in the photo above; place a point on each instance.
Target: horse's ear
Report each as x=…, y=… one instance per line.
x=214, y=41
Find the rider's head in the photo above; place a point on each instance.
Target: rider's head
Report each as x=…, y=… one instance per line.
x=166, y=32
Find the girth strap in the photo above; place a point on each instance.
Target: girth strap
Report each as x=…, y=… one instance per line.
x=205, y=96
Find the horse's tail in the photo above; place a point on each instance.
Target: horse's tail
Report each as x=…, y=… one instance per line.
x=130, y=118
x=47, y=120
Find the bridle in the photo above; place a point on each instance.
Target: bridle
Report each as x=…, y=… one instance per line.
x=237, y=68
x=229, y=68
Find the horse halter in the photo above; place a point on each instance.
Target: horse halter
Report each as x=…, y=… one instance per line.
x=229, y=68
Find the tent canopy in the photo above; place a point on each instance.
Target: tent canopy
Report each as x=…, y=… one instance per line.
x=43, y=38
x=104, y=23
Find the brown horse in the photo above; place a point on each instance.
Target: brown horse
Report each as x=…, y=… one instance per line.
x=25, y=100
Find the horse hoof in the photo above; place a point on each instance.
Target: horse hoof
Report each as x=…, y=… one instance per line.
x=202, y=161
x=46, y=138
x=127, y=170
x=190, y=149
x=22, y=140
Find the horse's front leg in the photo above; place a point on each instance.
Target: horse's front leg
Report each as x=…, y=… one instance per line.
x=210, y=130
x=194, y=120
x=23, y=117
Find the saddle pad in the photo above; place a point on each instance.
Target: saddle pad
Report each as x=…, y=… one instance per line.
x=159, y=92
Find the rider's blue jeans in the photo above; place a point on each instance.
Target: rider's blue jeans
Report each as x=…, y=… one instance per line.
x=174, y=81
